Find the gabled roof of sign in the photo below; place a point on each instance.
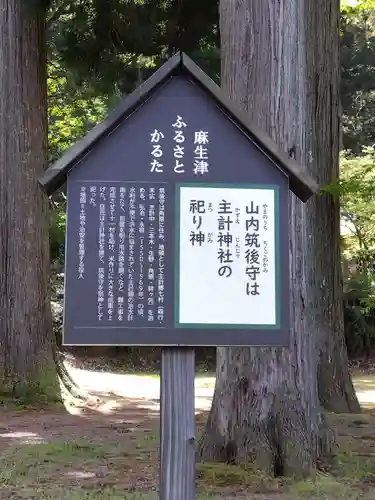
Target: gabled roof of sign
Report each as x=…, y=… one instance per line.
x=300, y=182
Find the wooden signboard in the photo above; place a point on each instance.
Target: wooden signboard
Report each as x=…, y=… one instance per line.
x=177, y=225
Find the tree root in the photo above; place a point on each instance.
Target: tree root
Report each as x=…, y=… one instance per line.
x=283, y=441
x=67, y=382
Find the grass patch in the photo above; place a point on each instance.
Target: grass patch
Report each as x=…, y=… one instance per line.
x=356, y=467
x=214, y=476
x=24, y=463
x=148, y=441
x=82, y=469
x=42, y=463
x=30, y=403
x=76, y=494
x=322, y=486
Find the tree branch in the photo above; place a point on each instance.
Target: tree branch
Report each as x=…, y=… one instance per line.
x=63, y=9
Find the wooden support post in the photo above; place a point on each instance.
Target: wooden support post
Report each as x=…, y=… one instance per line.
x=177, y=422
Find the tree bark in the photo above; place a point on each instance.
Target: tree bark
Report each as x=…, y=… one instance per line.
x=266, y=406
x=27, y=345
x=336, y=391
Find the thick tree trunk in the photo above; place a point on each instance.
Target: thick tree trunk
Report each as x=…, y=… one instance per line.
x=266, y=405
x=26, y=342
x=336, y=391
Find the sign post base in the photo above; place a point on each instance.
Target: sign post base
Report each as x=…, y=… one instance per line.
x=177, y=424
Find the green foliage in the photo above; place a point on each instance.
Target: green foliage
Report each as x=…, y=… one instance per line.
x=359, y=328
x=57, y=229
x=357, y=177
x=73, y=110
x=357, y=188
x=358, y=75
x=116, y=44
x=100, y=50
x=357, y=5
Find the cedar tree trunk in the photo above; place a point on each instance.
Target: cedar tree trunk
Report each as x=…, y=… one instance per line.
x=266, y=406
x=336, y=391
x=27, y=347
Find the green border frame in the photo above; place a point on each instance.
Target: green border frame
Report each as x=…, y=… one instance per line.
x=229, y=326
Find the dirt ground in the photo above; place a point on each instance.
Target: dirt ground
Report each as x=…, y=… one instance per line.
x=109, y=450
x=89, y=449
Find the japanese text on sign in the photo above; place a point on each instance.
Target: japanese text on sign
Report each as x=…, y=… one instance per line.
x=227, y=256
x=158, y=140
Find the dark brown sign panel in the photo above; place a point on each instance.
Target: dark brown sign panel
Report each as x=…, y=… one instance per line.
x=177, y=230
